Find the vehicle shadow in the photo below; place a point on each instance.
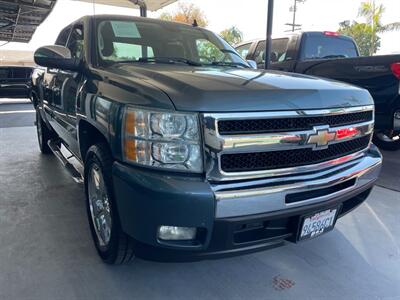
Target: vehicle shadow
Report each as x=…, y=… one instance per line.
x=46, y=249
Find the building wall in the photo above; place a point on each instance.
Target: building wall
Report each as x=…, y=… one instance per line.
x=16, y=58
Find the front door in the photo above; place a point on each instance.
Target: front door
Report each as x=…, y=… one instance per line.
x=66, y=91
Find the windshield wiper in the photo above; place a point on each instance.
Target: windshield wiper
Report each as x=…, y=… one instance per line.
x=162, y=60
x=170, y=60
x=229, y=64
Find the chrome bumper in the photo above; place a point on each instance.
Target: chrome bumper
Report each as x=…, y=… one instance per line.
x=267, y=195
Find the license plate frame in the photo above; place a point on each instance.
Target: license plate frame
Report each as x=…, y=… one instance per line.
x=309, y=236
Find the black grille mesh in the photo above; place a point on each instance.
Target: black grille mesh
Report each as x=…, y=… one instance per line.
x=232, y=127
x=289, y=158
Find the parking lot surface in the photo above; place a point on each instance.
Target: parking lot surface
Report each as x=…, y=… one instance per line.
x=46, y=250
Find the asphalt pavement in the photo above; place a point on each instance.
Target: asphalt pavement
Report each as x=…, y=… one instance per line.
x=46, y=250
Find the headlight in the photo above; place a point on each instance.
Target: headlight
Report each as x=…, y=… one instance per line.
x=162, y=139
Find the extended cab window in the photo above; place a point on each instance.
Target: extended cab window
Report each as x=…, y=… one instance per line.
x=322, y=46
x=278, y=50
x=133, y=41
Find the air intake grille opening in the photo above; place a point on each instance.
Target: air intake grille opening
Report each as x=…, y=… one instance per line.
x=298, y=197
x=245, y=162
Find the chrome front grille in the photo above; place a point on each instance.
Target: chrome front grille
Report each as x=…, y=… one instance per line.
x=260, y=144
x=252, y=126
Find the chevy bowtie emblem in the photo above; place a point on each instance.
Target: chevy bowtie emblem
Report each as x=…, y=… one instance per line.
x=321, y=138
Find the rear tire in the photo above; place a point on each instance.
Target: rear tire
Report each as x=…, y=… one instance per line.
x=113, y=245
x=44, y=134
x=386, y=143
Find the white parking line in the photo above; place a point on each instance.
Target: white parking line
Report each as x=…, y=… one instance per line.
x=14, y=101
x=16, y=112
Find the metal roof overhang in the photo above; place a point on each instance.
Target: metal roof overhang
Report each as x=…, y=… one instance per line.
x=20, y=18
x=152, y=5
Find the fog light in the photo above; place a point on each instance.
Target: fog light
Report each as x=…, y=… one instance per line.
x=174, y=233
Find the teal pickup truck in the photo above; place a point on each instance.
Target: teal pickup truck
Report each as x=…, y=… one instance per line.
x=187, y=152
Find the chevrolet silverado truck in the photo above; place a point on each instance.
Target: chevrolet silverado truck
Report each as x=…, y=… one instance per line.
x=187, y=153
x=15, y=81
x=331, y=55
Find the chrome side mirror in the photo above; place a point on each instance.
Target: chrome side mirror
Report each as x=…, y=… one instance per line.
x=252, y=63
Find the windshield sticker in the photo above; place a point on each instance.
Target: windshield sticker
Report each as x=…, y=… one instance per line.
x=125, y=29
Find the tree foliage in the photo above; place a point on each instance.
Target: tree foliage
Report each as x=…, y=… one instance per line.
x=232, y=35
x=373, y=14
x=367, y=34
x=187, y=13
x=362, y=34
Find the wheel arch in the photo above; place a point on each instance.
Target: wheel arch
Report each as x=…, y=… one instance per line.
x=88, y=135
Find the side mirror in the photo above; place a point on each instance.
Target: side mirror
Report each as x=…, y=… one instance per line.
x=57, y=57
x=252, y=64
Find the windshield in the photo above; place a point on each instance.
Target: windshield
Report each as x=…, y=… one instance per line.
x=322, y=46
x=162, y=42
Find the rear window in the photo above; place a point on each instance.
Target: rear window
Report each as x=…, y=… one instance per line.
x=325, y=47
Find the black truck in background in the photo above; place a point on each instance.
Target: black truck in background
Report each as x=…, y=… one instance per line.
x=15, y=81
x=334, y=56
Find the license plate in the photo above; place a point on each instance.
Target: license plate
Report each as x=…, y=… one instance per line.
x=318, y=223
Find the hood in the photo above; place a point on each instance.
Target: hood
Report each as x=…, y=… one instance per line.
x=216, y=89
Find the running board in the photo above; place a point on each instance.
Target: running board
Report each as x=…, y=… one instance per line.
x=76, y=175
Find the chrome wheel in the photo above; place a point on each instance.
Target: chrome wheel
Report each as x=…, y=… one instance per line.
x=99, y=205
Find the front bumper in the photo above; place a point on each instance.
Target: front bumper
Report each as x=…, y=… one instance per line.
x=147, y=199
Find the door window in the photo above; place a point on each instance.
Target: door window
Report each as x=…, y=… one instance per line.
x=63, y=37
x=243, y=50
x=75, y=42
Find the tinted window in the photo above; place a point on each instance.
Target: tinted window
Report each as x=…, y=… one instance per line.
x=21, y=73
x=15, y=73
x=120, y=40
x=322, y=46
x=63, y=37
x=243, y=50
x=75, y=42
x=278, y=51
x=5, y=73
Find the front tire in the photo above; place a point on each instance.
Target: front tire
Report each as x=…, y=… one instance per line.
x=112, y=244
x=385, y=142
